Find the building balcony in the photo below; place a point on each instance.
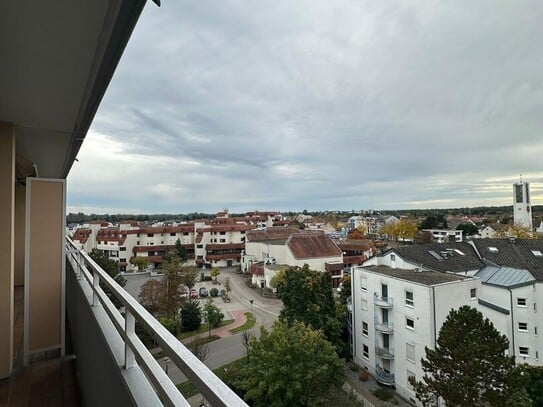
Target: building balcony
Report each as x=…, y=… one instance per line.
x=382, y=302
x=384, y=353
x=384, y=327
x=114, y=366
x=383, y=377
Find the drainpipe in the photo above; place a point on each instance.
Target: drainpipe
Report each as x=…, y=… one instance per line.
x=434, y=318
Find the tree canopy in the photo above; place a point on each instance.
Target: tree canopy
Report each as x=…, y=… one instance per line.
x=469, y=366
x=307, y=297
x=291, y=366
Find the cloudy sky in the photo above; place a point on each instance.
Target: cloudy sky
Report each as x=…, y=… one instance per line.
x=291, y=105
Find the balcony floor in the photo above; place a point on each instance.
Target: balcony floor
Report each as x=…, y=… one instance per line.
x=48, y=381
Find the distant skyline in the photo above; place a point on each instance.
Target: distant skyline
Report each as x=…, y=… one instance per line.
x=319, y=105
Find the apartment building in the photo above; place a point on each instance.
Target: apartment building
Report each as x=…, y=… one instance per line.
x=396, y=313
x=445, y=235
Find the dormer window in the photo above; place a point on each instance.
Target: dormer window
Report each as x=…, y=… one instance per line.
x=537, y=253
x=493, y=249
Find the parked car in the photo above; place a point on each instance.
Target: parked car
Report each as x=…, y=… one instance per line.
x=193, y=293
x=203, y=292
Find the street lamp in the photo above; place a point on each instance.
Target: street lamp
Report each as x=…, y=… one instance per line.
x=251, y=302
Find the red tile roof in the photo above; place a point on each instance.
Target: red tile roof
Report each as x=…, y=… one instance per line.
x=274, y=233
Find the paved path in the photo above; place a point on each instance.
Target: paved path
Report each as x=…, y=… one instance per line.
x=240, y=319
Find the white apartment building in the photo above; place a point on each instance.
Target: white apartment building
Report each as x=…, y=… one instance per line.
x=397, y=313
x=445, y=235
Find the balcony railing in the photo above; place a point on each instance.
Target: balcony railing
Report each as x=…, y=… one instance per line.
x=384, y=327
x=384, y=377
x=382, y=302
x=136, y=357
x=384, y=353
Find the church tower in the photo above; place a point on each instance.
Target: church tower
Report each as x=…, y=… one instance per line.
x=522, y=208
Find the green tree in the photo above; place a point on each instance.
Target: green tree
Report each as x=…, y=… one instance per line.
x=469, y=367
x=290, y=366
x=140, y=262
x=215, y=273
x=213, y=314
x=227, y=285
x=191, y=318
x=173, y=282
x=189, y=276
x=151, y=294
x=307, y=297
x=345, y=291
x=469, y=229
x=534, y=385
x=112, y=269
x=180, y=251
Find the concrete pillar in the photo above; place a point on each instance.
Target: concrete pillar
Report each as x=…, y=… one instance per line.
x=7, y=231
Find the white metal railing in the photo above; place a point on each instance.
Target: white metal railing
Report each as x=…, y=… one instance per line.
x=216, y=392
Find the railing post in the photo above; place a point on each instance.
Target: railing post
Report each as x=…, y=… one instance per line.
x=79, y=260
x=95, y=286
x=129, y=330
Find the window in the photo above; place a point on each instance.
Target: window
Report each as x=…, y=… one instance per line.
x=223, y=233
x=185, y=233
x=242, y=232
x=524, y=351
x=172, y=234
x=523, y=326
x=199, y=246
x=364, y=328
x=363, y=283
x=122, y=249
x=410, y=375
x=150, y=234
x=410, y=352
x=223, y=240
x=364, y=304
x=409, y=323
x=366, y=351
x=537, y=253
x=473, y=293
x=535, y=330
x=409, y=299
x=521, y=302
x=392, y=257
x=122, y=260
x=138, y=243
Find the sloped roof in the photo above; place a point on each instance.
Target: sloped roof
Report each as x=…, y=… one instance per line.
x=462, y=257
x=517, y=254
x=272, y=233
x=505, y=276
x=428, y=278
x=312, y=245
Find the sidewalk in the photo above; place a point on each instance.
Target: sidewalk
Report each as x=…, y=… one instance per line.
x=240, y=319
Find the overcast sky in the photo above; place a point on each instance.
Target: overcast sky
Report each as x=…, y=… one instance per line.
x=340, y=105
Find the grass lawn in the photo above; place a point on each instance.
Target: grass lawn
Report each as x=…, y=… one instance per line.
x=251, y=321
x=203, y=329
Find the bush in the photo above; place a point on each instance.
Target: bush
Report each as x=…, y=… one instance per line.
x=214, y=292
x=170, y=324
x=384, y=394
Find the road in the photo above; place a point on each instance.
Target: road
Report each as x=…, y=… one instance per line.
x=266, y=310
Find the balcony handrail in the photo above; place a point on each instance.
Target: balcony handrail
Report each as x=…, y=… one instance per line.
x=384, y=376
x=377, y=297
x=379, y=350
x=216, y=392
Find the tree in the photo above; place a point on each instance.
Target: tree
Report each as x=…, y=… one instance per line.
x=151, y=294
x=191, y=318
x=469, y=366
x=215, y=273
x=140, y=262
x=307, y=297
x=345, y=291
x=246, y=338
x=534, y=386
x=189, y=276
x=356, y=234
x=227, y=285
x=173, y=281
x=180, y=251
x=469, y=229
x=213, y=314
x=290, y=366
x=199, y=348
x=517, y=231
x=112, y=269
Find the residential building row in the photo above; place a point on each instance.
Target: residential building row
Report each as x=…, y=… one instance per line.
x=207, y=243
x=401, y=298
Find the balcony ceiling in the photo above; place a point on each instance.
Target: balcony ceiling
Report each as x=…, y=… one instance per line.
x=57, y=58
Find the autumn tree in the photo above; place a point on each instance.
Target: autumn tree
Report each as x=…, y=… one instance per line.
x=215, y=273
x=404, y=229
x=307, y=297
x=227, y=285
x=356, y=234
x=173, y=283
x=189, y=275
x=140, y=262
x=469, y=366
x=293, y=365
x=517, y=231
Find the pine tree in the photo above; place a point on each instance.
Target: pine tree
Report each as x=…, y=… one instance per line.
x=469, y=367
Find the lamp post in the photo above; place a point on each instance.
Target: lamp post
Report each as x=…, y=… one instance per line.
x=251, y=302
